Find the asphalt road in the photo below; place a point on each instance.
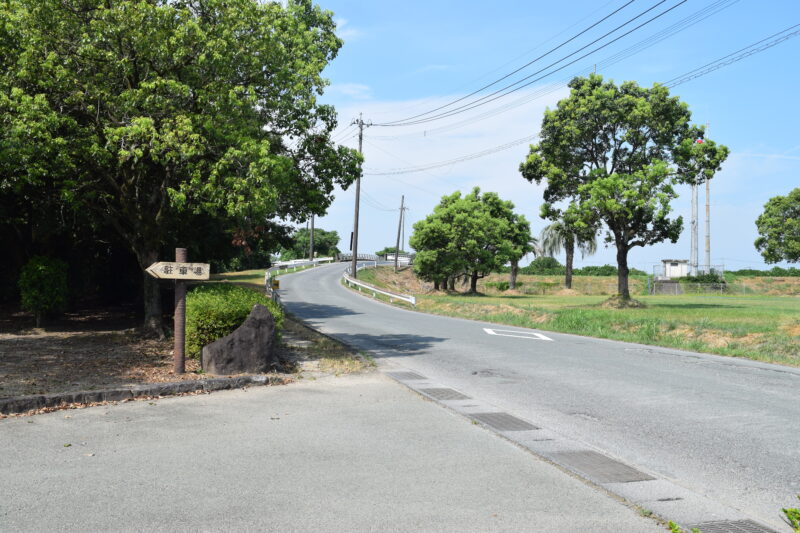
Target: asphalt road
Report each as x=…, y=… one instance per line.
x=724, y=428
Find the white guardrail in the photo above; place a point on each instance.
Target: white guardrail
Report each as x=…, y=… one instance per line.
x=287, y=267
x=374, y=290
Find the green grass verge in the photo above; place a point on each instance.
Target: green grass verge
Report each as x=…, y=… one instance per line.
x=245, y=277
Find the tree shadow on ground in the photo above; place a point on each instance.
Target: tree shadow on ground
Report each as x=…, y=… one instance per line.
x=390, y=345
x=312, y=311
x=103, y=319
x=695, y=306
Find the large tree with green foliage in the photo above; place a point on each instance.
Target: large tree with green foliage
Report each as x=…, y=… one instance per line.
x=142, y=112
x=779, y=229
x=612, y=155
x=389, y=250
x=522, y=243
x=325, y=244
x=470, y=235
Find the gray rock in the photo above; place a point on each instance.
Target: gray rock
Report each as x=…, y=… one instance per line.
x=249, y=349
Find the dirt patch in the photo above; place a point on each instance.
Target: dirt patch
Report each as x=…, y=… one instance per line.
x=43, y=362
x=715, y=338
x=403, y=281
x=567, y=292
x=787, y=286
x=315, y=354
x=101, y=349
x=617, y=302
x=792, y=329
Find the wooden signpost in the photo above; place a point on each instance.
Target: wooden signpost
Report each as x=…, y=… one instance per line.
x=180, y=270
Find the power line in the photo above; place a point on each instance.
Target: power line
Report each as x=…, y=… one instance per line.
x=650, y=41
x=740, y=54
x=424, y=103
x=500, y=94
x=529, y=63
x=431, y=166
x=677, y=27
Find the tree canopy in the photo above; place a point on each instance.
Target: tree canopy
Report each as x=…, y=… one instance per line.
x=612, y=155
x=779, y=229
x=325, y=244
x=144, y=115
x=389, y=250
x=470, y=235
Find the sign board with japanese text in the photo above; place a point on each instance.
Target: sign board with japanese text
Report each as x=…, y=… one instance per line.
x=188, y=271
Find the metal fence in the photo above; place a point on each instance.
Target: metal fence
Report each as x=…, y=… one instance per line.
x=365, y=287
x=677, y=288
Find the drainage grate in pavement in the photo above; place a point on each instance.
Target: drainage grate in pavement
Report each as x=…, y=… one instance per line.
x=402, y=376
x=729, y=526
x=444, y=394
x=502, y=421
x=600, y=468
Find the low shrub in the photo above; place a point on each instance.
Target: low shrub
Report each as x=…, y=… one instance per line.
x=216, y=310
x=713, y=277
x=43, y=286
x=499, y=285
x=773, y=272
x=543, y=266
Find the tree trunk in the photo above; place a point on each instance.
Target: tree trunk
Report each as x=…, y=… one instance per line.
x=512, y=280
x=436, y=284
x=569, y=247
x=152, y=297
x=451, y=283
x=473, y=282
x=622, y=275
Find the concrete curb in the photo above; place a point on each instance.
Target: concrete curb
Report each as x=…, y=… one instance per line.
x=23, y=404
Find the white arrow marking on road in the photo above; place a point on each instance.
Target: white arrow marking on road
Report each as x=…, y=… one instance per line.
x=517, y=334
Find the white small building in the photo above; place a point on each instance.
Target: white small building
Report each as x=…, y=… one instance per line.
x=675, y=268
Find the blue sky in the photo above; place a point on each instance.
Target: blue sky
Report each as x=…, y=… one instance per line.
x=403, y=58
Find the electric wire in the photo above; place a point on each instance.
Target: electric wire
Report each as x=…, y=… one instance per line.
x=640, y=46
x=729, y=59
x=736, y=56
x=433, y=101
x=496, y=95
x=529, y=63
x=431, y=166
x=714, y=65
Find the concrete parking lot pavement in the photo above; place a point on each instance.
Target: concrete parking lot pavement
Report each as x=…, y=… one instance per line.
x=354, y=453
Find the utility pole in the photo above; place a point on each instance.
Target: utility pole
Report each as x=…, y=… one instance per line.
x=403, y=238
x=354, y=266
x=311, y=243
x=399, y=227
x=708, y=220
x=693, y=231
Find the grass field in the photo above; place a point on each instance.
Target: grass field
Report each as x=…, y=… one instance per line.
x=764, y=328
x=245, y=277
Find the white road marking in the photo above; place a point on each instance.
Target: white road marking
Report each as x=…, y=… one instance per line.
x=517, y=334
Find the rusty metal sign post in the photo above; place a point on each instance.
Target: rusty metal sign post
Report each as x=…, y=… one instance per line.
x=180, y=271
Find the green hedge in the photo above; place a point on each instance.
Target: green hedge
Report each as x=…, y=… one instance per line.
x=216, y=310
x=43, y=286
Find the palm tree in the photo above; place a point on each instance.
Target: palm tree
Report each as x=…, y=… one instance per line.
x=559, y=236
x=533, y=247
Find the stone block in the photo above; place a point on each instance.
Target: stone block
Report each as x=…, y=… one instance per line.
x=251, y=348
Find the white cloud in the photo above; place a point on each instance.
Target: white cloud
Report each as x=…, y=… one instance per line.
x=345, y=33
x=354, y=91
